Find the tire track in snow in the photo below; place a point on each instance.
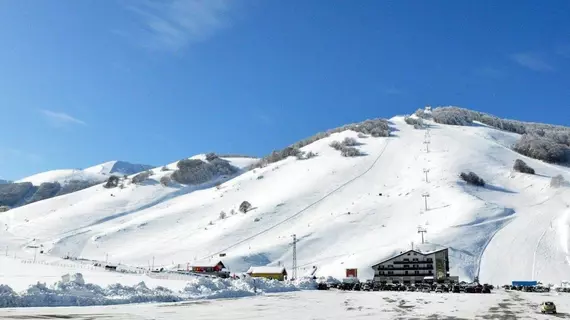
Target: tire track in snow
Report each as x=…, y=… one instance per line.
x=307, y=207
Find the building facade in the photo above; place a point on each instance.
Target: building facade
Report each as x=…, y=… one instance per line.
x=214, y=268
x=413, y=267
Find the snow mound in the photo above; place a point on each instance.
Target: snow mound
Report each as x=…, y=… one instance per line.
x=72, y=290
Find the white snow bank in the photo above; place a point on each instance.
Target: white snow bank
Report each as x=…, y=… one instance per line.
x=73, y=291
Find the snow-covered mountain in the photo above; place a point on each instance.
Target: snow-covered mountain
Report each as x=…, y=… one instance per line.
x=97, y=173
x=53, y=183
x=347, y=212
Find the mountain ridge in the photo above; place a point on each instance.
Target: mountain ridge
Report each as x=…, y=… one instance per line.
x=347, y=211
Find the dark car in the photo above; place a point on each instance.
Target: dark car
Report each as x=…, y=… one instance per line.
x=322, y=286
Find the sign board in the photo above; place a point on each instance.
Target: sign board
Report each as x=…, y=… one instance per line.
x=524, y=283
x=352, y=273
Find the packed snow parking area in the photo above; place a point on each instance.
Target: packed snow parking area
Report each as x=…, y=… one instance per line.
x=324, y=305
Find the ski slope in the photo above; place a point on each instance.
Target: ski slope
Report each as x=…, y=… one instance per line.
x=515, y=228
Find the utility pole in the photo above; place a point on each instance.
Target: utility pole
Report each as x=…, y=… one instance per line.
x=152, y=264
x=106, y=258
x=426, y=196
x=294, y=273
x=426, y=172
x=422, y=231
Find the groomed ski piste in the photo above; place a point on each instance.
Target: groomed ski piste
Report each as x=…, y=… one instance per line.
x=347, y=212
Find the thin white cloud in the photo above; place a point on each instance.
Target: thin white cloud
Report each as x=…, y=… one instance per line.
x=531, y=61
x=61, y=118
x=173, y=24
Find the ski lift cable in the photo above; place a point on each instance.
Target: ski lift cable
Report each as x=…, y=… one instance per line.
x=307, y=207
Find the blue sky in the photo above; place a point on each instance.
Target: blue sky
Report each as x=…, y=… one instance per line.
x=151, y=82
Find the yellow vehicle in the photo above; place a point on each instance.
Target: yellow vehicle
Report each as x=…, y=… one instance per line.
x=547, y=307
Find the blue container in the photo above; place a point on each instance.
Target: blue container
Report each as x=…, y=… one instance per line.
x=525, y=283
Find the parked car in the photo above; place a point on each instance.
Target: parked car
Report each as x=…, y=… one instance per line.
x=322, y=286
x=548, y=307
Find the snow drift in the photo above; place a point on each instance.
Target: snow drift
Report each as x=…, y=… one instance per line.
x=72, y=290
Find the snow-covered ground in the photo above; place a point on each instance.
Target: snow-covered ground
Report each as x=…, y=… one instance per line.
x=516, y=228
x=96, y=173
x=75, y=289
x=324, y=305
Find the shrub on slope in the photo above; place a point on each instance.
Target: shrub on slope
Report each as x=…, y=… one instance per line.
x=374, y=127
x=141, y=177
x=521, y=166
x=545, y=142
x=349, y=142
x=472, y=178
x=75, y=185
x=194, y=171
x=418, y=123
x=112, y=182
x=12, y=193
x=245, y=206
x=346, y=147
x=542, y=148
x=350, y=152
x=45, y=191
x=422, y=114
